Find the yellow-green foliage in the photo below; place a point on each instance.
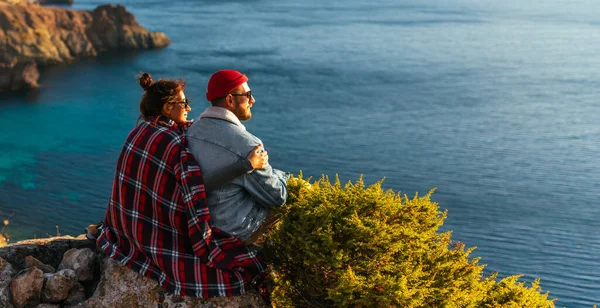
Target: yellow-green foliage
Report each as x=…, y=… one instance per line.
x=357, y=246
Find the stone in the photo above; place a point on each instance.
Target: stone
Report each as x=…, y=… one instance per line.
x=115, y=28
x=45, y=305
x=58, y=286
x=31, y=261
x=76, y=296
x=26, y=288
x=248, y=300
x=115, y=285
x=120, y=286
x=21, y=2
x=7, y=271
x=16, y=77
x=25, y=76
x=81, y=261
x=81, y=241
x=50, y=252
x=5, y=296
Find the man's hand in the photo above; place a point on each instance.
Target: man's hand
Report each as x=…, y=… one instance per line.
x=258, y=157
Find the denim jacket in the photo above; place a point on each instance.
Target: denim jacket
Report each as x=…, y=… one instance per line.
x=219, y=141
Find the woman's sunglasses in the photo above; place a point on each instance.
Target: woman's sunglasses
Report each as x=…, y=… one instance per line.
x=185, y=103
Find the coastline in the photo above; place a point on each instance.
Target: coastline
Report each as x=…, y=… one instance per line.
x=36, y=35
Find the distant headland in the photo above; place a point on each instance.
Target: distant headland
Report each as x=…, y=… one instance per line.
x=33, y=35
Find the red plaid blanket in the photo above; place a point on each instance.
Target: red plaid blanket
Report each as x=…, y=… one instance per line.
x=157, y=220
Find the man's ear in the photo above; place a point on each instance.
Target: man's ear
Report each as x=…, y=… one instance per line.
x=229, y=103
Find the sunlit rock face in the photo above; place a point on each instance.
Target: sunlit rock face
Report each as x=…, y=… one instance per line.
x=33, y=35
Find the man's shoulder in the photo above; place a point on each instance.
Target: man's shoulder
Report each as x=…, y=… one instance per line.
x=201, y=124
x=223, y=133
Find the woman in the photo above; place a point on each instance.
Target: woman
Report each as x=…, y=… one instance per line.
x=157, y=219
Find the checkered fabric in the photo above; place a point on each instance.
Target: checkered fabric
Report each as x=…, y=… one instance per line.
x=157, y=220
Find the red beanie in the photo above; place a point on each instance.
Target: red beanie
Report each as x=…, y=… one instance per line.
x=222, y=82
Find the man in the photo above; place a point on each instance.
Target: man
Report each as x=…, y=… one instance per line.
x=219, y=140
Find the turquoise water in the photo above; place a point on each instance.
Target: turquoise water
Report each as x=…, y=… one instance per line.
x=495, y=104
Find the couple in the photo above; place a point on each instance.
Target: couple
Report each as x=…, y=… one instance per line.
x=190, y=200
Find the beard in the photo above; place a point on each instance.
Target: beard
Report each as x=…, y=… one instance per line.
x=242, y=113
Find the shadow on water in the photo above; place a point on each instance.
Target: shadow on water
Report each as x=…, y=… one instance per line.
x=29, y=96
x=106, y=58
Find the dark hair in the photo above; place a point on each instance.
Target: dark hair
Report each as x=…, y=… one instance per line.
x=218, y=102
x=156, y=94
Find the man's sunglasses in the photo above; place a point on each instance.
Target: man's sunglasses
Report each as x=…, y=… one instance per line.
x=247, y=94
x=185, y=103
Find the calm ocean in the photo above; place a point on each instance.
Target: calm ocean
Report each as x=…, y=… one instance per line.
x=495, y=103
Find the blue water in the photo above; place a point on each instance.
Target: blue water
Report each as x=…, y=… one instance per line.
x=495, y=103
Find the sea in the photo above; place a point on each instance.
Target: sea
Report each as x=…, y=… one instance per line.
x=494, y=104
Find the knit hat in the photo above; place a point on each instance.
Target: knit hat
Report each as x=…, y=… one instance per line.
x=222, y=82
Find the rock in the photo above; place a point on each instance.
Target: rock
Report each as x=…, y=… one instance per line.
x=18, y=76
x=6, y=274
x=76, y=296
x=248, y=300
x=114, y=28
x=5, y=298
x=113, y=286
x=81, y=261
x=51, y=35
x=45, y=305
x=122, y=287
x=21, y=2
x=49, y=251
x=58, y=286
x=27, y=287
x=6, y=270
x=46, y=240
x=33, y=262
x=25, y=76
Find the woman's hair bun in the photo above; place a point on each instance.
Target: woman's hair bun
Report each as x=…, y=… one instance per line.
x=145, y=81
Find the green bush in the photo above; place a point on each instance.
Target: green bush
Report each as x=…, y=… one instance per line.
x=357, y=246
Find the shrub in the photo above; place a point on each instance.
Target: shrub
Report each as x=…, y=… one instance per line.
x=357, y=246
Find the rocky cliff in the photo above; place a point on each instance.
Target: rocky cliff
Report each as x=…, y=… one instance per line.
x=68, y=272
x=32, y=35
x=44, y=2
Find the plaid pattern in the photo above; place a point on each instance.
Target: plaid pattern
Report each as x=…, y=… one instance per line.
x=157, y=220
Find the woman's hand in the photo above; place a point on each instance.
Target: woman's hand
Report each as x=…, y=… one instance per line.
x=258, y=157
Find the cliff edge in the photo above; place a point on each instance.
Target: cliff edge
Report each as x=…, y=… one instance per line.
x=70, y=272
x=32, y=35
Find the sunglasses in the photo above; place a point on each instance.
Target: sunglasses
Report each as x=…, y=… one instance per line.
x=247, y=94
x=186, y=103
